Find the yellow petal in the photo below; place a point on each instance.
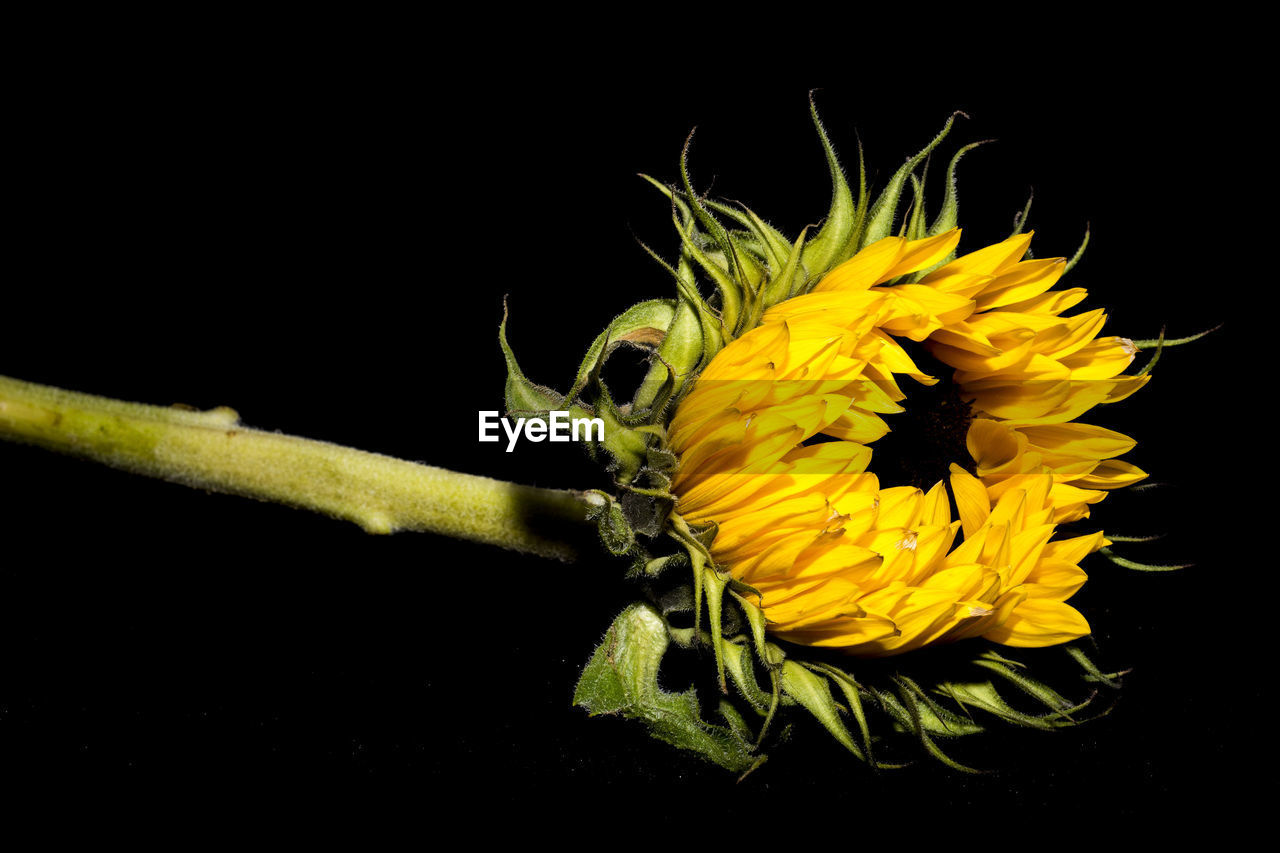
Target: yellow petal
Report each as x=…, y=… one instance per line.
x=1040, y=622
x=921, y=254
x=987, y=261
x=865, y=268
x=971, y=499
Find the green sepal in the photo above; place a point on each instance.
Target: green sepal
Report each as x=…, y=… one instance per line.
x=615, y=531
x=523, y=396
x=905, y=710
x=814, y=695
x=1075, y=259
x=738, y=657
x=1141, y=567
x=627, y=447
x=655, y=567
x=730, y=292
x=747, y=252
x=935, y=719
x=853, y=698
x=698, y=561
x=1037, y=690
x=859, y=222
x=708, y=318
x=824, y=249
x=626, y=436
x=678, y=356
x=983, y=696
x=992, y=654
x=1155, y=356
x=790, y=278
x=756, y=622
x=772, y=239
x=709, y=223
x=914, y=227
x=880, y=219
x=622, y=678
x=711, y=321
x=949, y=214
x=736, y=724
x=1177, y=342
x=1116, y=537
x=768, y=243
x=1020, y=219
x=643, y=324
x=713, y=586
x=662, y=460
x=1092, y=672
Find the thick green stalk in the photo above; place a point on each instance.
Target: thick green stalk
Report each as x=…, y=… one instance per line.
x=211, y=450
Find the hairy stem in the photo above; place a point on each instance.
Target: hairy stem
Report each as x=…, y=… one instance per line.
x=211, y=450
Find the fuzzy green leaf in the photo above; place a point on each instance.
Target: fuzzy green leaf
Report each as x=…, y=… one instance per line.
x=622, y=678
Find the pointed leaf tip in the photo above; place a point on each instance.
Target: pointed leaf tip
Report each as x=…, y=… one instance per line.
x=881, y=218
x=824, y=248
x=521, y=394
x=1075, y=259
x=1141, y=567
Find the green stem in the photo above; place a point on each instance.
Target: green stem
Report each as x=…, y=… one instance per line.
x=211, y=450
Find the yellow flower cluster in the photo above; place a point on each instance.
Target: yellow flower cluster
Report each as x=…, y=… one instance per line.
x=773, y=447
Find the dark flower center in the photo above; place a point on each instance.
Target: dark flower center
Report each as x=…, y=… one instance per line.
x=929, y=436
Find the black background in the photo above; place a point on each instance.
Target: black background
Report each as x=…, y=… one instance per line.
x=324, y=243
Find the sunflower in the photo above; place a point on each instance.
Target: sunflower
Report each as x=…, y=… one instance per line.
x=776, y=439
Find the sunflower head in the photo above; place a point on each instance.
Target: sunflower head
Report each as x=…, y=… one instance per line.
x=865, y=442
x=777, y=449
